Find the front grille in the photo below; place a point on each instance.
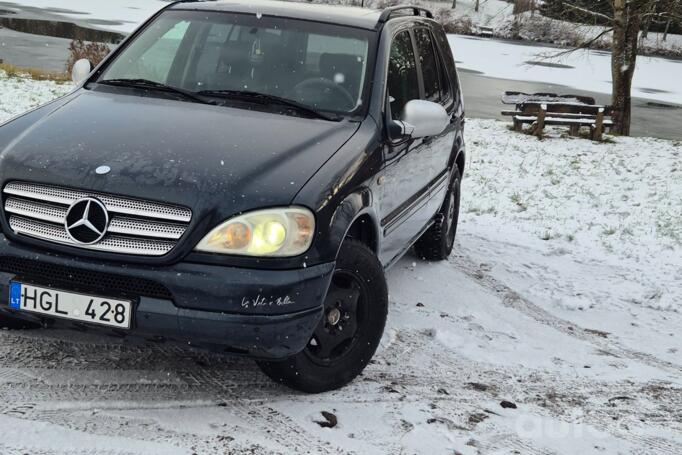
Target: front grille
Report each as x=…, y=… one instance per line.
x=71, y=278
x=137, y=227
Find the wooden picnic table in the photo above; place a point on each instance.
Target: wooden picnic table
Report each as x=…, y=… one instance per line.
x=520, y=98
x=542, y=109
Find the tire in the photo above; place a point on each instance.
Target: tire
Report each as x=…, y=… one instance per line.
x=357, y=300
x=437, y=243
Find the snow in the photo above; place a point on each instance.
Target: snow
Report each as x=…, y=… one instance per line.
x=656, y=78
x=19, y=94
x=562, y=296
x=490, y=12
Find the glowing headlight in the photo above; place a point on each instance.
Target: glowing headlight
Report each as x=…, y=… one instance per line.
x=274, y=232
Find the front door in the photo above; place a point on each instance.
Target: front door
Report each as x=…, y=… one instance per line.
x=409, y=167
x=437, y=88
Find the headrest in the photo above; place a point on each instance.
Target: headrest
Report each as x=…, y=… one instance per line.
x=332, y=64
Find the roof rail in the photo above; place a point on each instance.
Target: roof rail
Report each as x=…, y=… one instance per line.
x=387, y=14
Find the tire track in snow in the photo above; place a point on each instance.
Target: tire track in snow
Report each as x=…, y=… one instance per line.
x=505, y=382
x=512, y=299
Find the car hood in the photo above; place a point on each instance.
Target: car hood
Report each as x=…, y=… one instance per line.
x=213, y=159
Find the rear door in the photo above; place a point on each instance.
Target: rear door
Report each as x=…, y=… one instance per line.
x=437, y=87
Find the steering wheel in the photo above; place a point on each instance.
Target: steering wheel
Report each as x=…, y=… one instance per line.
x=325, y=92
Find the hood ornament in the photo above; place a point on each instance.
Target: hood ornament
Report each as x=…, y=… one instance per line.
x=102, y=170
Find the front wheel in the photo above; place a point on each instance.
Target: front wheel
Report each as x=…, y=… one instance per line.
x=349, y=333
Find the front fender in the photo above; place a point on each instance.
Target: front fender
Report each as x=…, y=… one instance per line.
x=340, y=192
x=355, y=207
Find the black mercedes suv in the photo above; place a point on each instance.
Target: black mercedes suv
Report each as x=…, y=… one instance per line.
x=238, y=176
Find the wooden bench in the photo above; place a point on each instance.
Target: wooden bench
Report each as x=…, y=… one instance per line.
x=483, y=30
x=543, y=109
x=597, y=124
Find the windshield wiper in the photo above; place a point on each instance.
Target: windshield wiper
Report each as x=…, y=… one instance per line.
x=146, y=83
x=270, y=99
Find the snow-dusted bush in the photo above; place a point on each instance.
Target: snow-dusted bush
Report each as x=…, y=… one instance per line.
x=78, y=49
x=543, y=29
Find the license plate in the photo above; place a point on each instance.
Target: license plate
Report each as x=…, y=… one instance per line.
x=69, y=305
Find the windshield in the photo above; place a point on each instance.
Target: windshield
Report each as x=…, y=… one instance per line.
x=318, y=65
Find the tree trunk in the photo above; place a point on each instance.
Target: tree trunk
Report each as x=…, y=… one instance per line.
x=673, y=9
x=478, y=5
x=667, y=28
x=646, y=26
x=626, y=26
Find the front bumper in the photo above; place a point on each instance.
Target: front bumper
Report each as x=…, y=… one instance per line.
x=260, y=313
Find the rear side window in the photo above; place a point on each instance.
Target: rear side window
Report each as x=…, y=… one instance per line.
x=449, y=71
x=403, y=83
x=429, y=65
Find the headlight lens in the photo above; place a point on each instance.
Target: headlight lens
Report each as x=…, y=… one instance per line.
x=275, y=232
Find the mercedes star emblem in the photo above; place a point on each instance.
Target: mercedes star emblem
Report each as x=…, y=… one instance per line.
x=87, y=221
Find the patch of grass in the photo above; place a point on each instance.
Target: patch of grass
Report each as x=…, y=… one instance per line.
x=575, y=163
x=609, y=231
x=481, y=211
x=33, y=73
x=516, y=199
x=605, y=139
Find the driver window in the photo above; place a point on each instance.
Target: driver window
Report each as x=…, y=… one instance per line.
x=403, y=84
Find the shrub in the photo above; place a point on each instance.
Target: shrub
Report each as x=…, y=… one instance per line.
x=451, y=24
x=78, y=49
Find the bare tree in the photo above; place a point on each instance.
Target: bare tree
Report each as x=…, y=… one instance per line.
x=673, y=11
x=626, y=23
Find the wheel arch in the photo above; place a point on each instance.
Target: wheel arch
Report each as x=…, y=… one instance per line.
x=458, y=157
x=460, y=161
x=355, y=218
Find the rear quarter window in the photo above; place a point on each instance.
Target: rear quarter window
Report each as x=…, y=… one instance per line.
x=448, y=59
x=430, y=66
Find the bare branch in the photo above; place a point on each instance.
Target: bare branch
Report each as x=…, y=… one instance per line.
x=587, y=11
x=586, y=45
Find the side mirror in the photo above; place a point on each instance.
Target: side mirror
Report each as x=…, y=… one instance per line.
x=423, y=119
x=81, y=70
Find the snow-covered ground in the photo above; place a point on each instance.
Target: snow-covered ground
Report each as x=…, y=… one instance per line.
x=563, y=297
x=656, y=78
x=21, y=94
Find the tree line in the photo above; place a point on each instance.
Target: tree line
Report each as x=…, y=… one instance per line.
x=662, y=16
